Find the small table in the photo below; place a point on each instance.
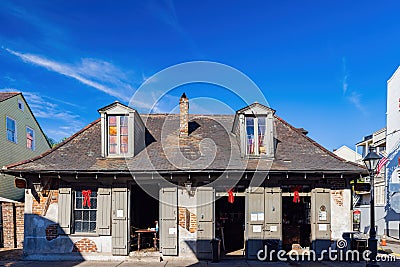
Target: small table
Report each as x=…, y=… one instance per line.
x=146, y=231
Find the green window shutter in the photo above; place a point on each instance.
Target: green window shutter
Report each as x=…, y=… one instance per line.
x=104, y=211
x=64, y=210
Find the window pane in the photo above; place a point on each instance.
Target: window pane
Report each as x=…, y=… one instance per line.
x=93, y=202
x=113, y=140
x=78, y=226
x=124, y=149
x=92, y=227
x=112, y=130
x=78, y=203
x=123, y=120
x=250, y=135
x=78, y=215
x=85, y=215
x=112, y=120
x=92, y=216
x=124, y=140
x=261, y=135
x=10, y=136
x=85, y=226
x=124, y=130
x=113, y=149
x=10, y=124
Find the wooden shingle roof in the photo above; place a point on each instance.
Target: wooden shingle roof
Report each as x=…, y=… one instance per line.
x=210, y=146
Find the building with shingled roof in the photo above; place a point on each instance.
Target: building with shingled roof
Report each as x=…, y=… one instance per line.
x=249, y=178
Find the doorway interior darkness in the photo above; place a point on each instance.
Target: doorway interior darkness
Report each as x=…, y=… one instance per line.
x=144, y=214
x=230, y=221
x=296, y=222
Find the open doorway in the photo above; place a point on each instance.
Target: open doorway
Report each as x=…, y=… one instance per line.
x=144, y=220
x=296, y=222
x=230, y=221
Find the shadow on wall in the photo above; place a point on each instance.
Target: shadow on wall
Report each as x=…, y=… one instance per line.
x=44, y=240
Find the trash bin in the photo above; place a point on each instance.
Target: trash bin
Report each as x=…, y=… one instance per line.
x=216, y=249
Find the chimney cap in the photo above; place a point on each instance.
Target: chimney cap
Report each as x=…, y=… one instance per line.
x=183, y=96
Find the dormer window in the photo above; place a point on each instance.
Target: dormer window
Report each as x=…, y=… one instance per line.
x=118, y=135
x=122, y=131
x=255, y=133
x=253, y=127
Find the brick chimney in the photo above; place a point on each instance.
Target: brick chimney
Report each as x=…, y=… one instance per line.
x=184, y=116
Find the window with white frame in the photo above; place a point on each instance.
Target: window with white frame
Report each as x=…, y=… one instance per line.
x=117, y=135
x=21, y=105
x=11, y=129
x=30, y=138
x=255, y=135
x=85, y=210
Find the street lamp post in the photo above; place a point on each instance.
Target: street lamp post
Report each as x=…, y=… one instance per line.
x=371, y=161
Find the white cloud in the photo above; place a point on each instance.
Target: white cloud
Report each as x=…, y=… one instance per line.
x=97, y=74
x=345, y=84
x=355, y=99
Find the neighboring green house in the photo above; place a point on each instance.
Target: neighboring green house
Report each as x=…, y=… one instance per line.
x=20, y=138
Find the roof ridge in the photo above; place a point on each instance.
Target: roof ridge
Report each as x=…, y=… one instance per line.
x=54, y=148
x=317, y=144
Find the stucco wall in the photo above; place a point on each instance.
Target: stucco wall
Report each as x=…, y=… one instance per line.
x=42, y=233
x=188, y=234
x=341, y=219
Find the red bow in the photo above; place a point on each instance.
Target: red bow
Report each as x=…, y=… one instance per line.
x=231, y=198
x=86, y=197
x=296, y=197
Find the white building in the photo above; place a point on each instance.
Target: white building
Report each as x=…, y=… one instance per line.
x=393, y=151
x=348, y=154
x=361, y=200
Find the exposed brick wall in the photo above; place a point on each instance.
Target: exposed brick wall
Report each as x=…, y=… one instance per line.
x=13, y=224
x=337, y=196
x=19, y=223
x=187, y=219
x=51, y=232
x=85, y=245
x=193, y=223
x=39, y=205
x=184, y=218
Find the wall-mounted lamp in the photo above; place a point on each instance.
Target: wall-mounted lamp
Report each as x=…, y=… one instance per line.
x=189, y=189
x=43, y=187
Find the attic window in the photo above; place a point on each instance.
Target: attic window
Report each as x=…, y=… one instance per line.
x=255, y=135
x=21, y=105
x=117, y=135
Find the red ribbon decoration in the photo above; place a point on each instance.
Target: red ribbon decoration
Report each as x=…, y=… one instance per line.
x=86, y=197
x=296, y=197
x=231, y=197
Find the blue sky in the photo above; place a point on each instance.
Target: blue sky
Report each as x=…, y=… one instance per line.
x=322, y=65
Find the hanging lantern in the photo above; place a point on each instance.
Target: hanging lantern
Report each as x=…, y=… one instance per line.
x=231, y=197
